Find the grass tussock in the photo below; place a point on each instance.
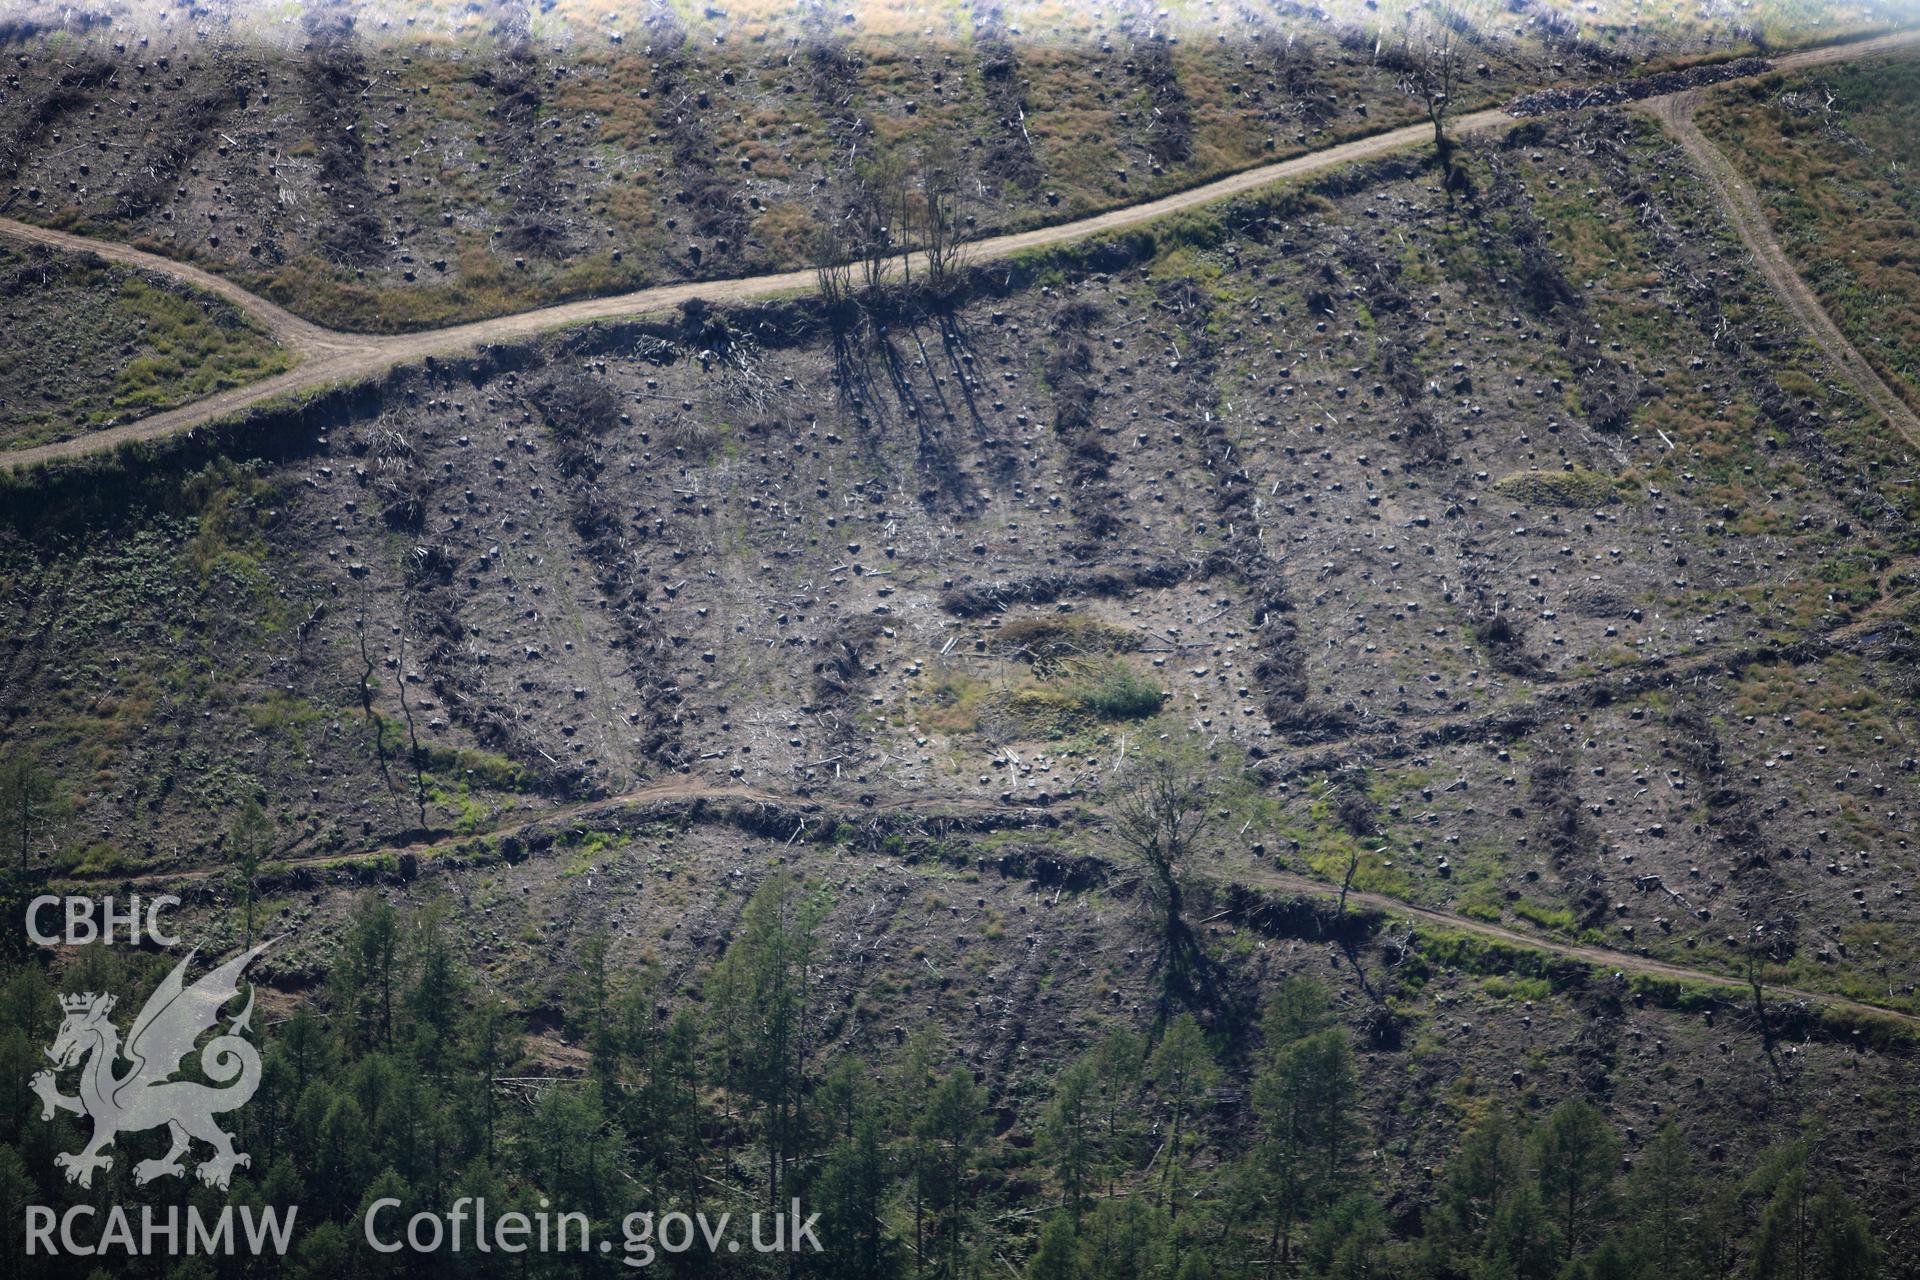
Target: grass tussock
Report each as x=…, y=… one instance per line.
x=1048, y=643
x=1078, y=694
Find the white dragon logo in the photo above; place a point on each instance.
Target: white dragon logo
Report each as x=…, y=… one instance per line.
x=174, y=1017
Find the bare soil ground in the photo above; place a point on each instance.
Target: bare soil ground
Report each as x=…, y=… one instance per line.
x=647, y=553
x=331, y=358
x=376, y=173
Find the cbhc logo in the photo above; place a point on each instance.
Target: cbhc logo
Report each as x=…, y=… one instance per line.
x=86, y=920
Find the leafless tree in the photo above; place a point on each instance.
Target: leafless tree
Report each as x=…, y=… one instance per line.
x=1760, y=948
x=938, y=226
x=1432, y=55
x=374, y=722
x=406, y=713
x=1159, y=814
x=1346, y=881
x=833, y=266
x=896, y=212
x=876, y=215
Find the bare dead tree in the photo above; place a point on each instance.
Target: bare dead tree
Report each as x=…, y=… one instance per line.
x=939, y=224
x=874, y=217
x=1159, y=814
x=413, y=736
x=1432, y=57
x=833, y=267
x=899, y=195
x=366, y=697
x=1757, y=950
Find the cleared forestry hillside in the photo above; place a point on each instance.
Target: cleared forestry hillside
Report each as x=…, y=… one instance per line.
x=1438, y=636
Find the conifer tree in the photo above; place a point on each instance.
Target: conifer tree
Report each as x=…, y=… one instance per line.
x=1575, y=1154
x=1183, y=1070
x=946, y=1137
x=759, y=996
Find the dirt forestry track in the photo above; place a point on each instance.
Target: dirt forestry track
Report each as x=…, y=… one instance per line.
x=687, y=791
x=1742, y=206
x=605, y=810
x=1619, y=961
x=329, y=358
x=1415, y=732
